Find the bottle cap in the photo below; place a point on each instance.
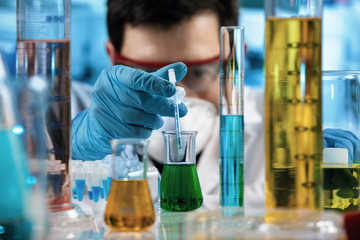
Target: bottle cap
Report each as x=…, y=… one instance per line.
x=335, y=155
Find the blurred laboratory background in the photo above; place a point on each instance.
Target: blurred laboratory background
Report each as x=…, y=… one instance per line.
x=341, y=37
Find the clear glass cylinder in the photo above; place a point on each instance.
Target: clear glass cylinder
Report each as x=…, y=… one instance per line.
x=43, y=19
x=232, y=59
x=180, y=187
x=341, y=123
x=129, y=206
x=43, y=64
x=293, y=118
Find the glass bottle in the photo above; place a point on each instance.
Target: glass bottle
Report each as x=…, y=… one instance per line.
x=129, y=206
x=179, y=187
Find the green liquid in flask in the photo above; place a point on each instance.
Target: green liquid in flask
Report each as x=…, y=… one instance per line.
x=180, y=188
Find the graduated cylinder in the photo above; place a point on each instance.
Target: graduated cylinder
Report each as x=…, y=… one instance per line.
x=293, y=134
x=232, y=59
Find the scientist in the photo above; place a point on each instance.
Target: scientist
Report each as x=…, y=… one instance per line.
x=130, y=98
x=126, y=102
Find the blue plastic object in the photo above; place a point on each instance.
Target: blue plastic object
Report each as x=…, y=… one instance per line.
x=96, y=193
x=90, y=194
x=339, y=138
x=80, y=188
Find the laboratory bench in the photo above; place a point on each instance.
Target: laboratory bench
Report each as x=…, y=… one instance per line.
x=203, y=223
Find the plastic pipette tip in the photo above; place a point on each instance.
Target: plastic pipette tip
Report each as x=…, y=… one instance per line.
x=109, y=180
x=74, y=193
x=80, y=188
x=105, y=187
x=90, y=195
x=102, y=193
x=55, y=180
x=96, y=193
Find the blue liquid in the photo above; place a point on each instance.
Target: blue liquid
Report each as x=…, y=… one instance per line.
x=90, y=195
x=231, y=160
x=13, y=175
x=74, y=193
x=106, y=187
x=80, y=188
x=96, y=193
x=102, y=193
x=16, y=229
x=55, y=181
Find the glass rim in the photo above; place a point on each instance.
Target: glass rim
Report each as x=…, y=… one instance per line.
x=128, y=141
x=339, y=73
x=232, y=27
x=334, y=165
x=173, y=132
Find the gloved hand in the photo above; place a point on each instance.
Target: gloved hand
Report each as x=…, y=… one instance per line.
x=125, y=103
x=339, y=179
x=339, y=138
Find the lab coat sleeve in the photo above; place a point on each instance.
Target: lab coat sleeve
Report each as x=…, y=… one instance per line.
x=80, y=97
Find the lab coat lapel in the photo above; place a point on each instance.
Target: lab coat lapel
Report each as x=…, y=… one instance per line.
x=208, y=167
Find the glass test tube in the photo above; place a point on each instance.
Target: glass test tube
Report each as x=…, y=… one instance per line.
x=293, y=134
x=232, y=58
x=43, y=53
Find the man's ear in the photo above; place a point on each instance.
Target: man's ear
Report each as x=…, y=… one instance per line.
x=111, y=51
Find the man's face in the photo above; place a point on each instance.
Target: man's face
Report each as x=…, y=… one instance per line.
x=195, y=40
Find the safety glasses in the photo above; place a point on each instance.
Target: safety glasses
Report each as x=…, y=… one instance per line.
x=200, y=76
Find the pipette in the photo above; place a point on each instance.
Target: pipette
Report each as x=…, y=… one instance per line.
x=172, y=79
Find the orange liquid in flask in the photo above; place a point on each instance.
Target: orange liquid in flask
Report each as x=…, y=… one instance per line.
x=129, y=206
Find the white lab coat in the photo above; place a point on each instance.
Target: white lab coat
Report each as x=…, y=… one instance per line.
x=254, y=157
x=208, y=166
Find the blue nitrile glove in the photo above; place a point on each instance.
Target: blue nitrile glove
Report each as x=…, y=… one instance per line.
x=125, y=103
x=339, y=138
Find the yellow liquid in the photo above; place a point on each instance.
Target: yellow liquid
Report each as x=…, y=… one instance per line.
x=293, y=142
x=129, y=206
x=342, y=188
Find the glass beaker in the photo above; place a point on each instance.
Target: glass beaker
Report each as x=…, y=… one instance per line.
x=293, y=126
x=179, y=186
x=232, y=60
x=129, y=206
x=341, y=123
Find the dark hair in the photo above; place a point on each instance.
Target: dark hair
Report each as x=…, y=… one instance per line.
x=164, y=13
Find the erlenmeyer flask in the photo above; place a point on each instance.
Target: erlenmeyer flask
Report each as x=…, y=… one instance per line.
x=180, y=188
x=129, y=206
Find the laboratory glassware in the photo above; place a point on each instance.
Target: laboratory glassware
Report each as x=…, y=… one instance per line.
x=179, y=186
x=22, y=208
x=43, y=65
x=293, y=134
x=341, y=111
x=232, y=59
x=129, y=206
x=43, y=50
